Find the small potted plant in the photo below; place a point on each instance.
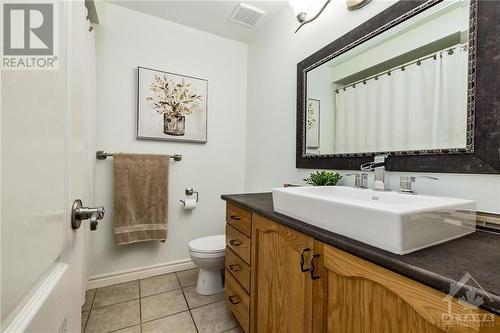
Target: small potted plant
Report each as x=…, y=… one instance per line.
x=174, y=100
x=323, y=178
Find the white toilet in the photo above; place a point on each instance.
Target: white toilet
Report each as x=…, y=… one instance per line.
x=208, y=254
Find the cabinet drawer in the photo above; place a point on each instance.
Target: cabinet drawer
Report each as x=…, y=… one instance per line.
x=238, y=268
x=238, y=242
x=239, y=218
x=238, y=301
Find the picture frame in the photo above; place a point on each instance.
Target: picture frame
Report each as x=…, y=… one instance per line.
x=171, y=106
x=313, y=123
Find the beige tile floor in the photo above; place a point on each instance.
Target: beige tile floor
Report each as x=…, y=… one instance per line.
x=161, y=304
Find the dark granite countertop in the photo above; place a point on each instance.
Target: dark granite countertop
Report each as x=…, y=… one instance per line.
x=438, y=266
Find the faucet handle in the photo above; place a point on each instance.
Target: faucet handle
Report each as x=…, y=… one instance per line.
x=360, y=179
x=406, y=183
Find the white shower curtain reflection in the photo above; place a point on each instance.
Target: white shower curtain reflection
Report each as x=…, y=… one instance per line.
x=422, y=107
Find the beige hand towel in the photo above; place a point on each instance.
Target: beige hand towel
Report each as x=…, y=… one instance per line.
x=141, y=197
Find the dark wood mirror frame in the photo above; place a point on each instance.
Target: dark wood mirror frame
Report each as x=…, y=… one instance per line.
x=483, y=99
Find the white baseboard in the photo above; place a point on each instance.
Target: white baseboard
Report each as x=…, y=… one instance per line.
x=103, y=280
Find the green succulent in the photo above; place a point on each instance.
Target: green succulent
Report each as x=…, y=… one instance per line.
x=323, y=178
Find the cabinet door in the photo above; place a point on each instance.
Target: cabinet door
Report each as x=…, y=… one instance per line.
x=281, y=291
x=364, y=298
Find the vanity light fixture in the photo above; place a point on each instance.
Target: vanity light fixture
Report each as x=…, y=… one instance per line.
x=356, y=4
x=304, y=9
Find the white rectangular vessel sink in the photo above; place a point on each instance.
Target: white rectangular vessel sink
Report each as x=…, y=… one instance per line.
x=392, y=221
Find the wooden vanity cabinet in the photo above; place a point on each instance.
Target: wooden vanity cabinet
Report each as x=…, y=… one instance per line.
x=282, y=289
x=366, y=298
x=299, y=284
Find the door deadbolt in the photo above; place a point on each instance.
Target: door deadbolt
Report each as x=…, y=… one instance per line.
x=80, y=213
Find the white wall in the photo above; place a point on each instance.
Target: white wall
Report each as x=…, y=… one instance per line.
x=272, y=64
x=127, y=39
x=272, y=59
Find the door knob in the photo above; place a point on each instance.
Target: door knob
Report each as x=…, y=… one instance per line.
x=80, y=213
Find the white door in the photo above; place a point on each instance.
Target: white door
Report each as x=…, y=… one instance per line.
x=43, y=170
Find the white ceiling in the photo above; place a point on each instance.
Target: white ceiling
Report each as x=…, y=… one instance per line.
x=209, y=16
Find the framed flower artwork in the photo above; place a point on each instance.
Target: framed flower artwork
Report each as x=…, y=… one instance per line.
x=171, y=106
x=313, y=125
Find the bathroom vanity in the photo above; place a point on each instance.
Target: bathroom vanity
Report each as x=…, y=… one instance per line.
x=285, y=275
x=347, y=261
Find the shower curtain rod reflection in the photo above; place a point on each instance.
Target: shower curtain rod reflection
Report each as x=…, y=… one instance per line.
x=102, y=155
x=403, y=67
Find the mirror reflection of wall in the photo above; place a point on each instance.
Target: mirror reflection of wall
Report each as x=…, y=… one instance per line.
x=388, y=94
x=320, y=125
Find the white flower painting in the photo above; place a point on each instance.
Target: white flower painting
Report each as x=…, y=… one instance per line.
x=171, y=106
x=312, y=122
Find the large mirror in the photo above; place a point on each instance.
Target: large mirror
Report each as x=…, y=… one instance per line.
x=402, y=91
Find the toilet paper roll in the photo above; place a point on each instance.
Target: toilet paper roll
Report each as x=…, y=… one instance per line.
x=190, y=203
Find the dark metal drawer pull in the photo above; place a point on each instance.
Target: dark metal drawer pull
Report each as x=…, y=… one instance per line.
x=235, y=217
x=235, y=242
x=234, y=299
x=302, y=260
x=235, y=267
x=313, y=268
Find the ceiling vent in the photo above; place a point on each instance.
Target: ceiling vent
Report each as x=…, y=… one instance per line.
x=247, y=15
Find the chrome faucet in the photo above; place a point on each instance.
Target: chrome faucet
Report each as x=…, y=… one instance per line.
x=378, y=167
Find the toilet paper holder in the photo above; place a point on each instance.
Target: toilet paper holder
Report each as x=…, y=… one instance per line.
x=189, y=192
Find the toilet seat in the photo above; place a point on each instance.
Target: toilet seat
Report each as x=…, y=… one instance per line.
x=203, y=255
x=215, y=245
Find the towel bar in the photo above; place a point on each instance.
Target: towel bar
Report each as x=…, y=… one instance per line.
x=102, y=155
